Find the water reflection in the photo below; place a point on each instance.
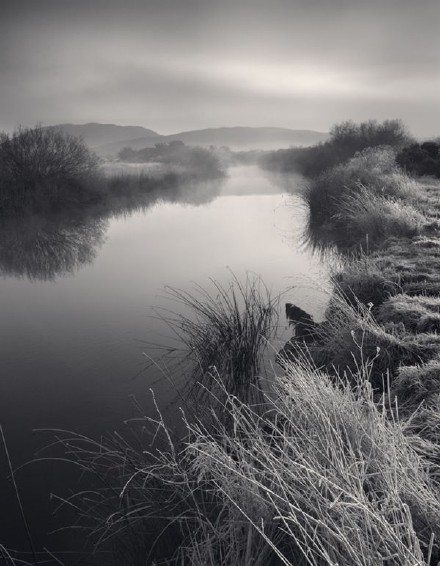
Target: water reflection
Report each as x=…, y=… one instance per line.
x=71, y=351
x=44, y=248
x=50, y=246
x=327, y=242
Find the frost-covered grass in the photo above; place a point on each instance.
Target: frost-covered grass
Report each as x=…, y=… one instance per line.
x=321, y=476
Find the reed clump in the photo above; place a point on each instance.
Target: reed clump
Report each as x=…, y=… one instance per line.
x=228, y=328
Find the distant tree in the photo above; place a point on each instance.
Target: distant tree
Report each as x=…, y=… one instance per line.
x=127, y=154
x=356, y=137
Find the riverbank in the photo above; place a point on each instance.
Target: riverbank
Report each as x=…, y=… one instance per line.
x=385, y=306
x=337, y=464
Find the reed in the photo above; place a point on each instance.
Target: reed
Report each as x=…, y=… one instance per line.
x=228, y=329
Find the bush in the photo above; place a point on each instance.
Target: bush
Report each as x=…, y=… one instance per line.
x=197, y=161
x=363, y=194
x=32, y=154
x=39, y=165
x=421, y=159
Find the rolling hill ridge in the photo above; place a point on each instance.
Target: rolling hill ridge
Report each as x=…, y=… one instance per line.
x=109, y=139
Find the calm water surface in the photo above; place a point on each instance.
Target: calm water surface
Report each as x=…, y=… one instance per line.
x=72, y=343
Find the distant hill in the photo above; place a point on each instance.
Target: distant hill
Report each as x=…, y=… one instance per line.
x=96, y=135
x=242, y=137
x=109, y=139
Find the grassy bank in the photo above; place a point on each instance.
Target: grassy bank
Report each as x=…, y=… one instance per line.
x=384, y=311
x=322, y=476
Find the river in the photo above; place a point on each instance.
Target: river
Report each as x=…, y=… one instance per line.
x=77, y=316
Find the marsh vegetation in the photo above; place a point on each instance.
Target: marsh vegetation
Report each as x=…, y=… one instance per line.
x=47, y=171
x=333, y=459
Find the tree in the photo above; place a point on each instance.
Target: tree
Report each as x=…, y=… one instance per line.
x=32, y=155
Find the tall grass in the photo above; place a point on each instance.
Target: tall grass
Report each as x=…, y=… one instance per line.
x=228, y=328
x=370, y=219
x=363, y=201
x=359, y=280
x=416, y=313
x=351, y=338
x=322, y=477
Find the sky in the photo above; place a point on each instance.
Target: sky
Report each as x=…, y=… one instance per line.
x=175, y=65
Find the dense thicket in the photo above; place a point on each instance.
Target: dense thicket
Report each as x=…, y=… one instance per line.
x=346, y=139
x=421, y=159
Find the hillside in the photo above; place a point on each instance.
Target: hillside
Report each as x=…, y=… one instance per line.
x=109, y=139
x=243, y=137
x=96, y=135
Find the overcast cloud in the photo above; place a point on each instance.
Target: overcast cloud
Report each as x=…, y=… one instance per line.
x=174, y=65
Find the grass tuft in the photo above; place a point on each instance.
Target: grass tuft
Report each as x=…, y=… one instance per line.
x=228, y=329
x=372, y=218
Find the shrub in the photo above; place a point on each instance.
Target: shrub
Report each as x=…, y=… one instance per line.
x=40, y=166
x=197, y=161
x=32, y=154
x=420, y=159
x=346, y=139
